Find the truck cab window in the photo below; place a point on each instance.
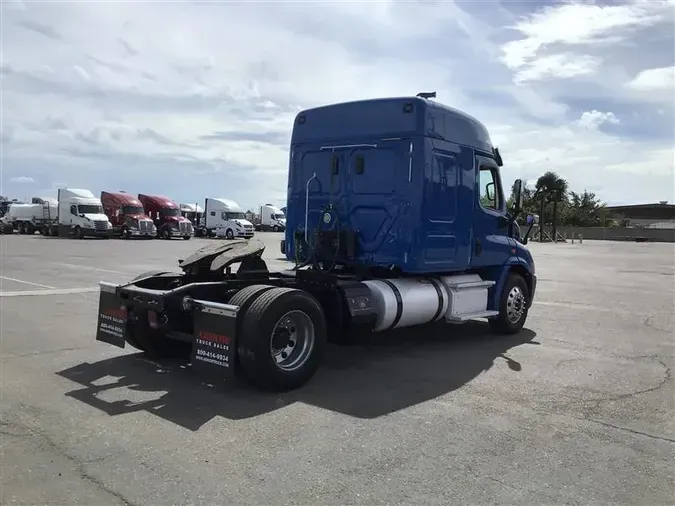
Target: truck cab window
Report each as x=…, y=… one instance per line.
x=73, y=210
x=489, y=190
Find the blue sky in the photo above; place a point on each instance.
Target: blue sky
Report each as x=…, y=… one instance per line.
x=192, y=100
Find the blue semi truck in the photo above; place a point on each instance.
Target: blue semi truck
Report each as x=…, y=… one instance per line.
x=396, y=217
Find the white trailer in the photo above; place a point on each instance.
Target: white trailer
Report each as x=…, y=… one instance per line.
x=40, y=215
x=225, y=218
x=272, y=218
x=80, y=214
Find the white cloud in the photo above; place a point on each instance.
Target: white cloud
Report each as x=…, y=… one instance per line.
x=654, y=79
x=592, y=120
x=21, y=180
x=558, y=66
x=577, y=25
x=193, y=99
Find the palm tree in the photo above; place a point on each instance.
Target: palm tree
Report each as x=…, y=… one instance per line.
x=553, y=188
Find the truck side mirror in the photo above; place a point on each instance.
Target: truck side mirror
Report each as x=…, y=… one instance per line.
x=519, y=188
x=490, y=191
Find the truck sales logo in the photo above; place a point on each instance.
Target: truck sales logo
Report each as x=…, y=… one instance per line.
x=116, y=313
x=214, y=338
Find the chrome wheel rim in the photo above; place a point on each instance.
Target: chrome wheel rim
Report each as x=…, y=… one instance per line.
x=515, y=304
x=292, y=340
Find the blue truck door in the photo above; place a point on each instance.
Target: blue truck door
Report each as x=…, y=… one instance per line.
x=445, y=231
x=491, y=244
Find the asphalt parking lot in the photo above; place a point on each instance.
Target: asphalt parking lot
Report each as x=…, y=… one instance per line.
x=577, y=409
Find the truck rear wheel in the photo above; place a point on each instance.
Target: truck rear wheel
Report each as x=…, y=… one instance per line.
x=513, y=306
x=282, y=339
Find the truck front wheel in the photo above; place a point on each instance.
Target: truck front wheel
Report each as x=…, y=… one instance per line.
x=513, y=306
x=282, y=339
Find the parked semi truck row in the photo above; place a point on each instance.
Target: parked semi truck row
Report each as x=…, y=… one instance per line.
x=127, y=215
x=74, y=213
x=396, y=217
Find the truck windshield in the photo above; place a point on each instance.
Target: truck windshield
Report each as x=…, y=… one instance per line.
x=234, y=216
x=90, y=209
x=132, y=210
x=169, y=212
x=278, y=216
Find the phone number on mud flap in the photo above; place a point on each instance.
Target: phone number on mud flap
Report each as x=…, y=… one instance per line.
x=214, y=356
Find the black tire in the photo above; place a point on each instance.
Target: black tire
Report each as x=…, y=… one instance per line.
x=275, y=228
x=229, y=234
x=126, y=234
x=186, y=237
x=510, y=301
x=165, y=234
x=254, y=340
x=77, y=233
x=246, y=296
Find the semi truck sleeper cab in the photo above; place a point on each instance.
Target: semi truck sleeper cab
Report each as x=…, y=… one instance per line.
x=396, y=217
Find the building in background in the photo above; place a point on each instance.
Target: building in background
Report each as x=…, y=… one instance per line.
x=661, y=215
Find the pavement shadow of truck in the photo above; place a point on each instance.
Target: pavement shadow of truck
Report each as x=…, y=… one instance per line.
x=389, y=372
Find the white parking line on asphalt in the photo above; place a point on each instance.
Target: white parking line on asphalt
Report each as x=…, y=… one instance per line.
x=87, y=268
x=54, y=291
x=26, y=282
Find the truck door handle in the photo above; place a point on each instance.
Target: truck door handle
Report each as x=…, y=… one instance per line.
x=478, y=248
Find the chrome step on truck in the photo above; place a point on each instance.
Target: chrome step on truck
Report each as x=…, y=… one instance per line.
x=371, y=253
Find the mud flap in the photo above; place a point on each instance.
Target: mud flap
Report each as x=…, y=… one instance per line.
x=214, y=346
x=112, y=316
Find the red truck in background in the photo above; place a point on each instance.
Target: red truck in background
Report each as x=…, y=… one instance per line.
x=127, y=215
x=167, y=217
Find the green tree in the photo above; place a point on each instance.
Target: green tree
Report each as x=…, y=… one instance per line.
x=586, y=210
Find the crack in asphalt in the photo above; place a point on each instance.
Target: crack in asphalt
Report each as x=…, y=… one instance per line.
x=31, y=434
x=632, y=431
x=619, y=397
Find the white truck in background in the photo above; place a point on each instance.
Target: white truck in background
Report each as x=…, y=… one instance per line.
x=225, y=218
x=272, y=219
x=80, y=214
x=40, y=215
